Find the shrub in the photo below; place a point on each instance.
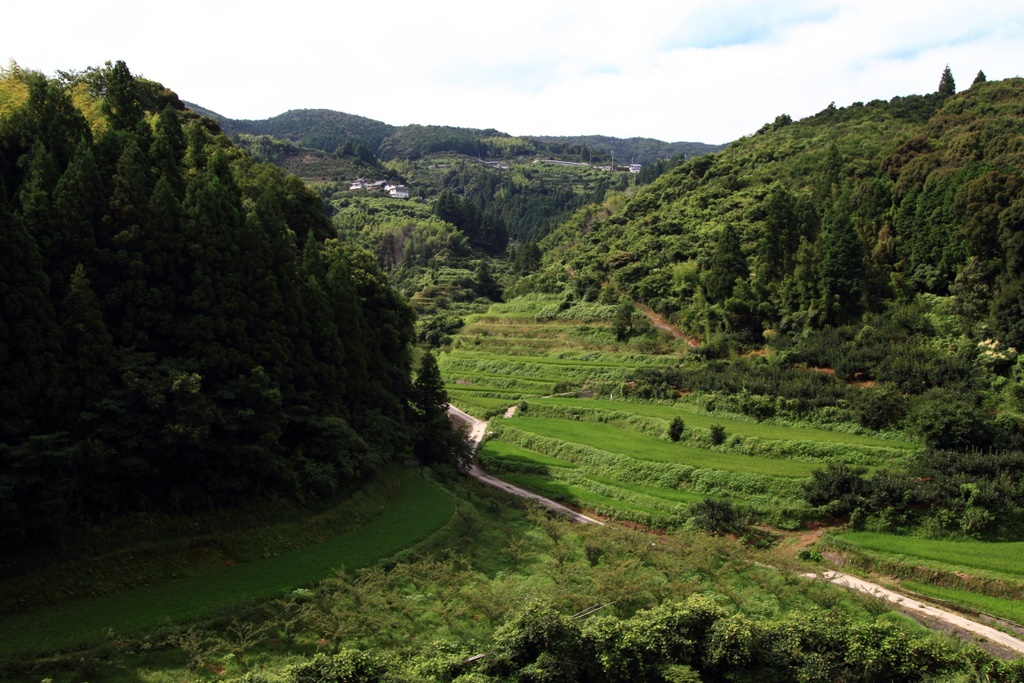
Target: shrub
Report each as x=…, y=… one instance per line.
x=838, y=486
x=717, y=434
x=675, y=428
x=948, y=419
x=880, y=407
x=717, y=516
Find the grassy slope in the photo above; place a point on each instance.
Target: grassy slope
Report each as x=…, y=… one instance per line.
x=642, y=447
x=417, y=509
x=1005, y=608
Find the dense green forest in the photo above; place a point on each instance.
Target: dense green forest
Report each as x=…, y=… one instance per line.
x=180, y=329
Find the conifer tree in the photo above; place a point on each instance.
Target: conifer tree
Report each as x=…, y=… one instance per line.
x=36, y=192
x=30, y=381
x=123, y=285
x=437, y=440
x=727, y=264
x=980, y=78
x=842, y=267
x=168, y=150
x=89, y=351
x=51, y=119
x=947, y=86
x=78, y=207
x=121, y=100
x=166, y=259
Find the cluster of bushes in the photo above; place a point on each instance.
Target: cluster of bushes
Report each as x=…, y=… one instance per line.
x=959, y=493
x=764, y=388
x=943, y=404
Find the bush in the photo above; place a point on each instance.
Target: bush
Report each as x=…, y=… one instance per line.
x=717, y=516
x=947, y=419
x=348, y=666
x=675, y=428
x=880, y=407
x=717, y=434
x=839, y=486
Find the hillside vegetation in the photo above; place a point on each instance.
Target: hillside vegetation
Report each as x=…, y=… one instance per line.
x=876, y=243
x=180, y=329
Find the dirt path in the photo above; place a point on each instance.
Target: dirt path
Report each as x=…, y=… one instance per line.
x=664, y=325
x=925, y=613
x=477, y=429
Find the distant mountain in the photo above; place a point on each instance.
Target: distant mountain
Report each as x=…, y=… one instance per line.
x=634, y=150
x=323, y=129
x=311, y=128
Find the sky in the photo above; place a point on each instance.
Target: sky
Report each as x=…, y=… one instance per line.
x=681, y=70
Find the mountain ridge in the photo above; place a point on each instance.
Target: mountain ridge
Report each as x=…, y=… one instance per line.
x=327, y=129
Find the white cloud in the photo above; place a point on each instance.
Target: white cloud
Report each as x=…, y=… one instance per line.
x=699, y=70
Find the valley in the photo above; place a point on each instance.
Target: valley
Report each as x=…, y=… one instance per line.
x=226, y=449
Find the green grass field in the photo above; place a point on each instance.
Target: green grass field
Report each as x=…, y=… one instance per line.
x=500, y=450
x=1001, y=559
x=696, y=417
x=417, y=509
x=569, y=493
x=642, y=447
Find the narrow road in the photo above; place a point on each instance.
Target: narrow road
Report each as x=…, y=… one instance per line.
x=477, y=429
x=912, y=605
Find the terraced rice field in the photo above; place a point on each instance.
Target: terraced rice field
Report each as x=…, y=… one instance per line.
x=612, y=455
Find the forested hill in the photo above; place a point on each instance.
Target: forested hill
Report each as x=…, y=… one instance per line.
x=330, y=131
x=178, y=330
x=634, y=150
x=816, y=223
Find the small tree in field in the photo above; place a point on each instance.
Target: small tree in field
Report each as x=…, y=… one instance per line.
x=717, y=434
x=675, y=429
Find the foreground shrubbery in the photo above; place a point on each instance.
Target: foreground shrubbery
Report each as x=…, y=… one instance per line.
x=696, y=639
x=515, y=588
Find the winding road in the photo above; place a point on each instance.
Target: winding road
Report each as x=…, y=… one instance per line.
x=477, y=430
x=968, y=628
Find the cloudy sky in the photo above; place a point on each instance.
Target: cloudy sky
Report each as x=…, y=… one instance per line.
x=697, y=70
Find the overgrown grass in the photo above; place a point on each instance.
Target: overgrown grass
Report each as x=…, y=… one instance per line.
x=1005, y=559
x=573, y=494
x=440, y=605
x=417, y=509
